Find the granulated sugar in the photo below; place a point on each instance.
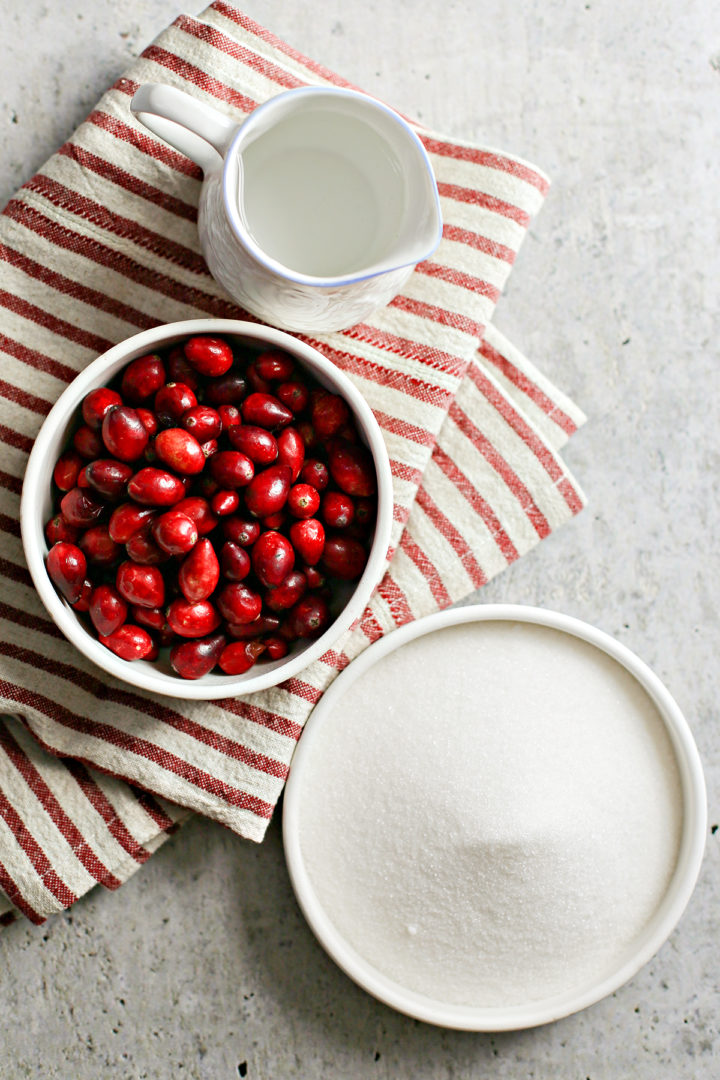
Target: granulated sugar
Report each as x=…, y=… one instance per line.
x=492, y=814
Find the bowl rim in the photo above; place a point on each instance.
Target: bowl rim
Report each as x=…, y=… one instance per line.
x=659, y=927
x=37, y=476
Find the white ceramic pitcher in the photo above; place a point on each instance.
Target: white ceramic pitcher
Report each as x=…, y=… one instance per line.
x=314, y=210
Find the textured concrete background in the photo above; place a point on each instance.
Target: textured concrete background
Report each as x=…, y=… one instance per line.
x=201, y=966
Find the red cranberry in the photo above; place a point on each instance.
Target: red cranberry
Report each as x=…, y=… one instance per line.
x=127, y=519
x=338, y=509
x=80, y=508
x=175, y=532
x=173, y=400
x=99, y=547
x=268, y=491
x=293, y=395
x=200, y=511
x=231, y=469
x=96, y=405
x=265, y=410
x=291, y=451
x=87, y=442
x=180, y=451
x=57, y=528
x=244, y=533
x=107, y=610
x=272, y=558
x=329, y=415
x=224, y=503
x=194, y=659
x=257, y=443
x=351, y=467
x=343, y=557
x=234, y=561
x=109, y=478
x=208, y=355
x=142, y=378
x=129, y=643
x=67, y=566
x=155, y=487
x=124, y=433
x=309, y=617
x=274, y=365
x=199, y=573
x=308, y=539
x=315, y=473
x=303, y=501
x=203, y=422
x=287, y=593
x=141, y=585
x=67, y=469
x=239, y=604
x=239, y=656
x=228, y=390
x=192, y=620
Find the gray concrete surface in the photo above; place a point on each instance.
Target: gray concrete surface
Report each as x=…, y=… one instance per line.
x=201, y=966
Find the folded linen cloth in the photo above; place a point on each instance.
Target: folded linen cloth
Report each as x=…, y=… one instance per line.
x=101, y=243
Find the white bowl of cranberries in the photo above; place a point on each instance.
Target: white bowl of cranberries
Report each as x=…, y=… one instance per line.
x=207, y=508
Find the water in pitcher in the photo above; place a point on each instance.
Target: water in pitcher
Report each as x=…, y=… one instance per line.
x=323, y=194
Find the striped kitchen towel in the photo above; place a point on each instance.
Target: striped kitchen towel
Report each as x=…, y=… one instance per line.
x=102, y=242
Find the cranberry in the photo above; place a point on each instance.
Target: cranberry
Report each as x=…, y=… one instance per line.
x=141, y=548
x=155, y=487
x=199, y=573
x=287, y=593
x=87, y=442
x=308, y=539
x=80, y=508
x=124, y=433
x=129, y=642
x=173, y=400
x=274, y=365
x=231, y=469
x=67, y=470
x=224, y=503
x=99, y=547
x=108, y=478
x=343, y=557
x=152, y=618
x=57, y=528
x=272, y=558
x=329, y=415
x=192, y=620
x=142, y=378
x=316, y=473
x=309, y=617
x=180, y=451
x=303, y=501
x=200, y=511
x=202, y=422
x=276, y=647
x=96, y=405
x=239, y=656
x=239, y=604
x=229, y=416
x=291, y=451
x=265, y=411
x=194, y=659
x=141, y=585
x=126, y=520
x=257, y=383
x=179, y=371
x=244, y=533
x=234, y=561
x=228, y=390
x=67, y=566
x=208, y=355
x=175, y=532
x=338, y=509
x=257, y=443
x=293, y=395
x=83, y=604
x=149, y=420
x=351, y=467
x=268, y=490
x=108, y=610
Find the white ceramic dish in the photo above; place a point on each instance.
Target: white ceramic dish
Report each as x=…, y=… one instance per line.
x=36, y=508
x=694, y=820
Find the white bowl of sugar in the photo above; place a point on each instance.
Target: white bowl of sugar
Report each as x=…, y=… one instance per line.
x=495, y=817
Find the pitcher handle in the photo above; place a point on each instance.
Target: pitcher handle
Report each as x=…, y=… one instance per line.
x=192, y=127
